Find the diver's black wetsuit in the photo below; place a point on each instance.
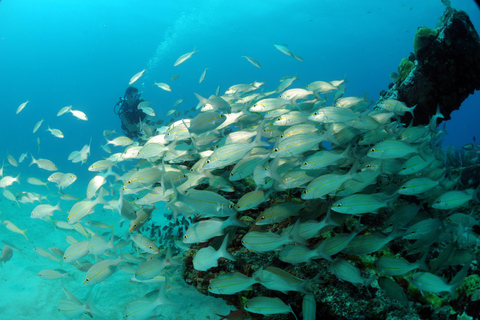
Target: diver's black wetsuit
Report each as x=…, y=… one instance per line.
x=130, y=115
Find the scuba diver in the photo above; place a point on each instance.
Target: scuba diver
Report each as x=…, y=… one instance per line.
x=130, y=115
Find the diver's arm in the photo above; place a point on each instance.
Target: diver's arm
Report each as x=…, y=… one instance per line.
x=127, y=123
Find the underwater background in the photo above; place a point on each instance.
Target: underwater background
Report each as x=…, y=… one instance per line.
x=83, y=53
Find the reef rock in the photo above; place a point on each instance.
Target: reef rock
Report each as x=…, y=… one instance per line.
x=443, y=70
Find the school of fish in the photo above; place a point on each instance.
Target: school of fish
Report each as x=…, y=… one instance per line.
x=345, y=178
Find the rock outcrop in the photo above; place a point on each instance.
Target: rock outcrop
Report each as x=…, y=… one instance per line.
x=443, y=70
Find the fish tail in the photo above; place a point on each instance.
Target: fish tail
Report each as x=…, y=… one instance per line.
x=33, y=160
x=223, y=250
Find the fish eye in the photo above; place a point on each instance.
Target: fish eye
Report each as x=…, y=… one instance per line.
x=208, y=161
x=404, y=187
x=230, y=206
x=372, y=150
x=315, y=113
x=87, y=279
x=338, y=205
x=304, y=191
x=276, y=150
x=282, y=136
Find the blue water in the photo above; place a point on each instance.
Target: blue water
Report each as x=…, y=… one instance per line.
x=83, y=53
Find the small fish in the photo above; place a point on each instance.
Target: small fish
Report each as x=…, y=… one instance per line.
x=8, y=181
x=251, y=200
x=37, y=125
x=44, y=164
x=7, y=254
x=395, y=106
x=10, y=226
x=56, y=132
x=67, y=180
x=55, y=177
x=177, y=102
x=79, y=114
x=416, y=186
x=282, y=49
x=357, y=204
x=453, y=199
x=43, y=210
x=163, y=86
x=279, y=212
x=48, y=274
x=296, y=56
x=64, y=110
x=144, y=308
x=393, y=290
x=184, y=57
x=253, y=61
x=97, y=245
x=22, y=157
x=121, y=141
x=230, y=283
x=146, y=109
x=94, y=185
x=345, y=271
x=143, y=215
x=392, y=266
x=76, y=251
x=202, y=76
x=101, y=271
x=145, y=243
x=20, y=107
x=430, y=282
x=84, y=208
x=309, y=307
x=136, y=77
x=172, y=111
x=10, y=196
x=12, y=160
x=175, y=77
x=46, y=254
x=72, y=308
x=204, y=230
x=267, y=306
x=207, y=258
x=391, y=149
